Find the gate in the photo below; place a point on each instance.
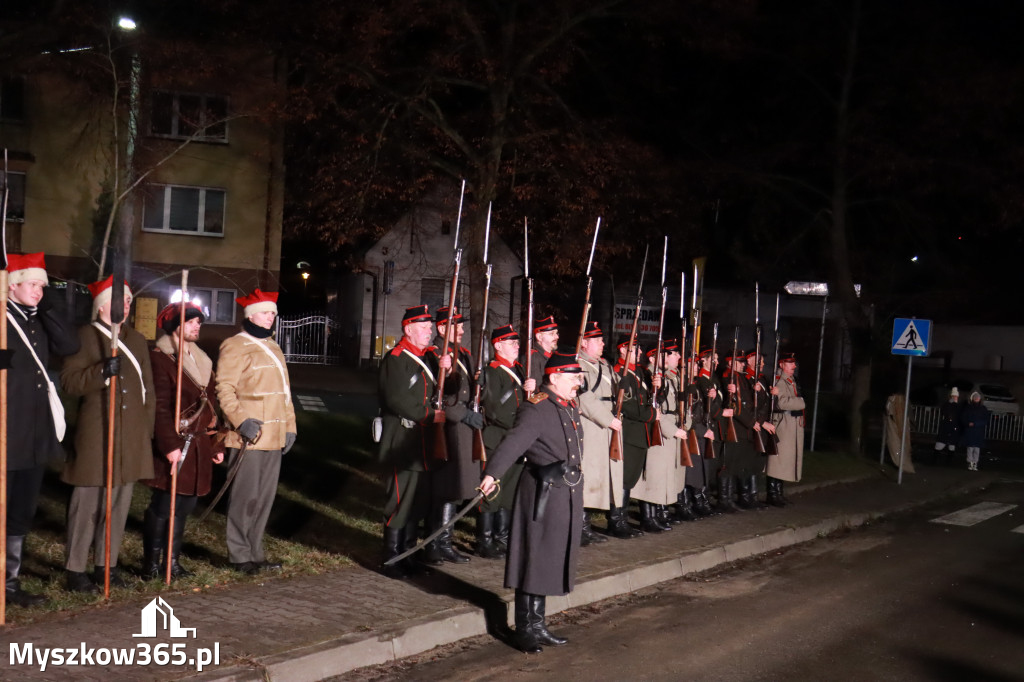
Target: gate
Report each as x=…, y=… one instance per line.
x=925, y=420
x=310, y=339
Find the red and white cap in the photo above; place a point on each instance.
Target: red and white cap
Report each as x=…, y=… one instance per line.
x=258, y=302
x=26, y=267
x=102, y=290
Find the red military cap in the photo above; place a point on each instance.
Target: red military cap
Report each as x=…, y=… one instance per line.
x=101, y=292
x=505, y=333
x=592, y=330
x=562, y=363
x=258, y=302
x=442, y=316
x=545, y=325
x=26, y=267
x=417, y=313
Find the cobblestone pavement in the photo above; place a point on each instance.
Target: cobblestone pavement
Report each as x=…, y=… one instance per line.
x=266, y=624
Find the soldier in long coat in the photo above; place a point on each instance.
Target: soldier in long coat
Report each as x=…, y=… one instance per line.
x=35, y=329
x=199, y=406
x=763, y=428
x=789, y=426
x=255, y=395
x=705, y=406
x=639, y=415
x=86, y=375
x=603, y=475
x=548, y=513
x=456, y=479
x=406, y=384
x=504, y=394
x=656, y=488
x=738, y=456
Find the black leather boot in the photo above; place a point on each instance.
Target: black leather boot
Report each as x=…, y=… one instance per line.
x=486, y=547
x=774, y=499
x=743, y=495
x=154, y=542
x=177, y=570
x=701, y=504
x=525, y=639
x=502, y=526
x=648, y=522
x=726, y=491
x=12, y=585
x=755, y=501
x=444, y=540
x=684, y=505
x=780, y=491
x=588, y=536
x=538, y=622
x=663, y=517
x=394, y=544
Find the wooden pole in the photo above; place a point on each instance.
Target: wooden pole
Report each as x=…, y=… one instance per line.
x=115, y=331
x=3, y=447
x=177, y=423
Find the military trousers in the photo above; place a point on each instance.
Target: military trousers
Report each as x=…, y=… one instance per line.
x=87, y=513
x=249, y=503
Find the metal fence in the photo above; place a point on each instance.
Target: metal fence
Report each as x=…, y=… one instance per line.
x=1006, y=427
x=311, y=339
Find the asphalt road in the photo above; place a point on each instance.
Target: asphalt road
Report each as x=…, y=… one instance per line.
x=904, y=599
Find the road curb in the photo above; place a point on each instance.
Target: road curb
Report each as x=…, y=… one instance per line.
x=356, y=650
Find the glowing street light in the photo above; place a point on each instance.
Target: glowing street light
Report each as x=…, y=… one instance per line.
x=126, y=24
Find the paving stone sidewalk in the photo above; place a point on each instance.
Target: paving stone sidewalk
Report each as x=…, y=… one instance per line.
x=314, y=627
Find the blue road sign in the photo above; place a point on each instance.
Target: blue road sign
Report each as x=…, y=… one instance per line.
x=911, y=337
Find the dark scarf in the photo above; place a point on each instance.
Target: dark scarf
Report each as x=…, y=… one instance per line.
x=255, y=330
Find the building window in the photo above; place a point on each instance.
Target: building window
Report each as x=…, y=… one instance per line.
x=188, y=115
x=435, y=292
x=218, y=304
x=12, y=98
x=188, y=210
x=16, y=197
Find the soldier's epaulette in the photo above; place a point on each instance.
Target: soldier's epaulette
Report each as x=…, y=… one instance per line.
x=538, y=397
x=494, y=364
x=396, y=351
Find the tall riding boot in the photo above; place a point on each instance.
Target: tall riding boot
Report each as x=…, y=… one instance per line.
x=444, y=540
x=779, y=490
x=684, y=505
x=526, y=639
x=12, y=585
x=774, y=498
x=503, y=524
x=538, y=622
x=177, y=570
x=701, y=504
x=394, y=544
x=661, y=515
x=743, y=500
x=725, y=492
x=154, y=542
x=430, y=555
x=648, y=523
x=588, y=531
x=485, y=545
x=625, y=515
x=755, y=501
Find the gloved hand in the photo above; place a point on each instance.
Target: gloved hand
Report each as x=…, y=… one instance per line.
x=5, y=358
x=289, y=441
x=474, y=420
x=111, y=366
x=455, y=413
x=250, y=429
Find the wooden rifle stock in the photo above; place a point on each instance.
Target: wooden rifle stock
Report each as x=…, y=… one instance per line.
x=615, y=447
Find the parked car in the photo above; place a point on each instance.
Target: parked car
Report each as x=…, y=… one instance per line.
x=997, y=397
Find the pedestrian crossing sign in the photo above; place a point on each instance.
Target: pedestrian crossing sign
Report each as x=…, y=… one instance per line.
x=911, y=337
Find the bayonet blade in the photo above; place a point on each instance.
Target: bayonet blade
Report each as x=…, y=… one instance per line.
x=487, y=230
x=643, y=272
x=757, y=303
x=458, y=219
x=593, y=245
x=526, y=248
x=664, y=261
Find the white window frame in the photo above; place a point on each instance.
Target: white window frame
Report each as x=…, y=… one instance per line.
x=208, y=295
x=176, y=116
x=166, y=211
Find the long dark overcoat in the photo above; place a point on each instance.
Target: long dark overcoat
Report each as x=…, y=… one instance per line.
x=31, y=437
x=457, y=478
x=543, y=552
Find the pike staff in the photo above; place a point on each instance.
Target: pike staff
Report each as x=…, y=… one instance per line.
x=176, y=466
x=3, y=392
x=479, y=452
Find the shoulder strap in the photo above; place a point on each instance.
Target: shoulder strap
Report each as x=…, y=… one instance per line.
x=128, y=354
x=277, y=363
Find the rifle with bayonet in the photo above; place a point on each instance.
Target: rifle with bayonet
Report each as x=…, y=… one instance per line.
x=759, y=445
x=529, y=301
x=657, y=368
x=688, y=445
x=734, y=397
x=707, y=397
x=479, y=452
x=773, y=442
x=590, y=284
x=615, y=447
x=440, y=439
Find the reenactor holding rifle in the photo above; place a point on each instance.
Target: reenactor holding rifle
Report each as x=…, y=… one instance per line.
x=545, y=333
x=639, y=419
x=456, y=478
x=706, y=406
x=505, y=391
x=603, y=476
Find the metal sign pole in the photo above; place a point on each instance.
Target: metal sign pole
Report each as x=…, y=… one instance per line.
x=906, y=409
x=817, y=380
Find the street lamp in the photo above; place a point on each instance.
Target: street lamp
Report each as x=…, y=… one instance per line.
x=305, y=281
x=126, y=23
